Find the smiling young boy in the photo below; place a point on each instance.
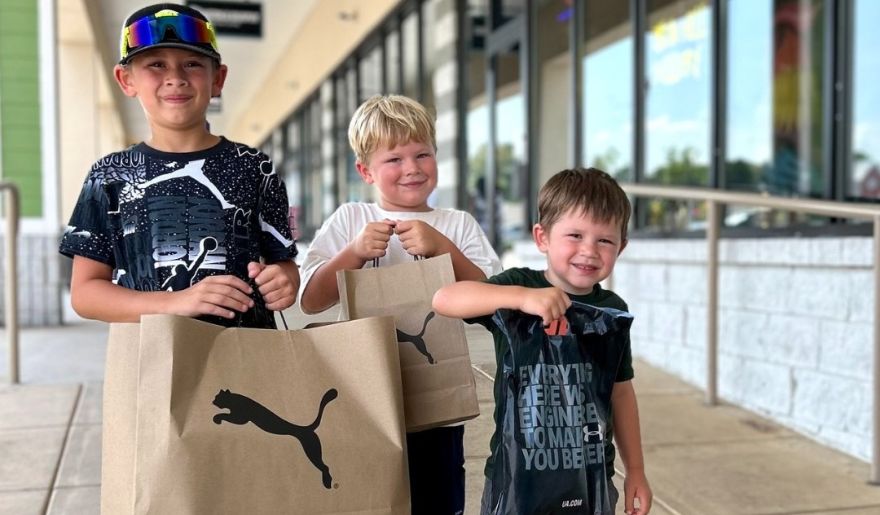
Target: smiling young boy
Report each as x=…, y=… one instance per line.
x=582, y=222
x=393, y=140
x=185, y=223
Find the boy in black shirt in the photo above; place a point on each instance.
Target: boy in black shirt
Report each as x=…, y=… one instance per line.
x=185, y=223
x=582, y=222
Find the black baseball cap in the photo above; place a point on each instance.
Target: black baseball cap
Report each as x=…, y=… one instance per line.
x=170, y=26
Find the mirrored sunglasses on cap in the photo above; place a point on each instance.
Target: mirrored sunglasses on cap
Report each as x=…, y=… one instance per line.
x=152, y=30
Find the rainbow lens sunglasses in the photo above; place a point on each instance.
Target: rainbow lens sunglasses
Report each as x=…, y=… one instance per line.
x=150, y=30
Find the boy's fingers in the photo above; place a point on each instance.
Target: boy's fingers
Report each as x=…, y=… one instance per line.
x=254, y=269
x=628, y=503
x=228, y=280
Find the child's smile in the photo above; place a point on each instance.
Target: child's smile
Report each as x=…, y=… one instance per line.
x=581, y=251
x=405, y=175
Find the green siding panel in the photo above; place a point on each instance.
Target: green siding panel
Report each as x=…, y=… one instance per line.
x=14, y=89
x=20, y=102
x=17, y=22
x=21, y=115
x=16, y=48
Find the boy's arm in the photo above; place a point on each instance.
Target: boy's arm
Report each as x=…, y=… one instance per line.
x=465, y=269
x=321, y=291
x=93, y=295
x=471, y=299
x=628, y=436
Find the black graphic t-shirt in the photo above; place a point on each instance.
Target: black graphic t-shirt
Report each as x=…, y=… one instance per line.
x=165, y=221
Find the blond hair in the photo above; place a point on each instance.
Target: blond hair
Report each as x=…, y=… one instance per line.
x=389, y=120
x=587, y=191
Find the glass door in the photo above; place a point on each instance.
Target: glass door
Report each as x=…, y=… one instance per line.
x=507, y=163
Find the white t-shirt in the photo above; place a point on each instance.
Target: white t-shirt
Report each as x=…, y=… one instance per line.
x=349, y=220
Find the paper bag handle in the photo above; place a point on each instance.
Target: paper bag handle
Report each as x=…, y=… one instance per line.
x=257, y=289
x=376, y=260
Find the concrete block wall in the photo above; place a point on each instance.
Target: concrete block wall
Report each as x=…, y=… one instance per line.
x=795, y=326
x=40, y=281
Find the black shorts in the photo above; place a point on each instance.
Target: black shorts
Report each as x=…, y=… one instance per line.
x=436, y=471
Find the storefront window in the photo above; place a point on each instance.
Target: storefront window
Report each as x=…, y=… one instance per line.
x=510, y=9
x=477, y=136
x=774, y=110
x=864, y=178
x=431, y=10
x=314, y=187
x=292, y=172
x=607, y=64
x=370, y=67
x=749, y=106
x=797, y=75
x=511, y=184
x=410, y=30
x=749, y=94
x=355, y=188
x=392, y=62
x=345, y=104
x=554, y=78
x=677, y=106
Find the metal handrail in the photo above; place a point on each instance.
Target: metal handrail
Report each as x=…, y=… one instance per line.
x=10, y=275
x=713, y=199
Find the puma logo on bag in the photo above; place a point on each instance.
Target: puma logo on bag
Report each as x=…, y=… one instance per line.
x=417, y=340
x=243, y=409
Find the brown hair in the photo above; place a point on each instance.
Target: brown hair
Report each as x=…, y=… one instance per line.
x=389, y=120
x=587, y=191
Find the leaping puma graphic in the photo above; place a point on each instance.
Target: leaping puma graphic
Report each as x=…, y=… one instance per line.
x=417, y=339
x=243, y=409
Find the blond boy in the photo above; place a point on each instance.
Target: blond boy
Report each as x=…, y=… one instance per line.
x=394, y=143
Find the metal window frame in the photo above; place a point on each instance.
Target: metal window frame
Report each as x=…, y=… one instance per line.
x=638, y=18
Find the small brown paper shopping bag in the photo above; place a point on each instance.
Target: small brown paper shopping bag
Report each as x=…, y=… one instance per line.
x=438, y=383
x=230, y=420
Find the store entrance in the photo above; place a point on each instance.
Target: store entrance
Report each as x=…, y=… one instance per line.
x=497, y=138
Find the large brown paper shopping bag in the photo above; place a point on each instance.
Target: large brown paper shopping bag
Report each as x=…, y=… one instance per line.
x=119, y=419
x=259, y=421
x=438, y=383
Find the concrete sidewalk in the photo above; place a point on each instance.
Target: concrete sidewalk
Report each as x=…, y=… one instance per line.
x=700, y=460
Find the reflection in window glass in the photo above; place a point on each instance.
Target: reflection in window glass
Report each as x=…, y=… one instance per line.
x=749, y=110
x=512, y=8
x=345, y=104
x=392, y=62
x=292, y=171
x=864, y=181
x=356, y=189
x=749, y=88
x=277, y=150
x=798, y=65
x=314, y=185
x=607, y=91
x=410, y=28
x=677, y=61
x=370, y=67
x=510, y=153
x=477, y=119
x=554, y=76
x=433, y=38
x=477, y=149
